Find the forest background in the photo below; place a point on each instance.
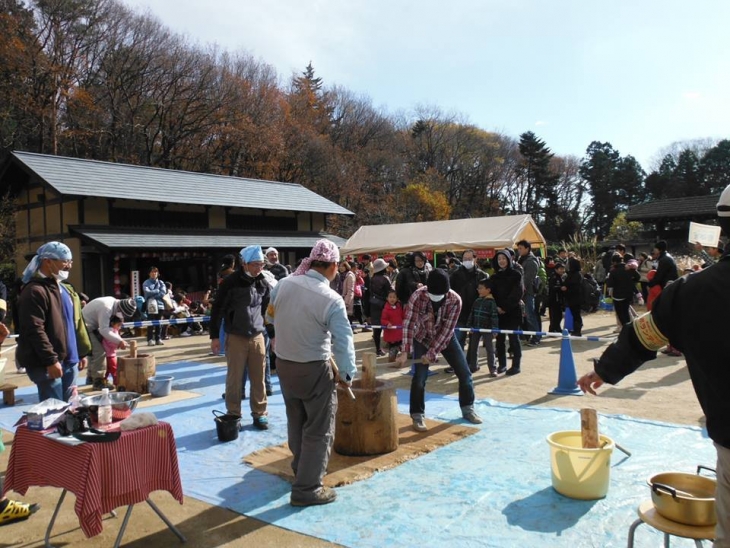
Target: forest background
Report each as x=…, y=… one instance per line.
x=95, y=79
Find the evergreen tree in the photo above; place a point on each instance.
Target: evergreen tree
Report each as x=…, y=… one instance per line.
x=539, y=183
x=715, y=167
x=599, y=169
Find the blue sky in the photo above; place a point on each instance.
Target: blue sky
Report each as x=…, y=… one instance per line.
x=640, y=74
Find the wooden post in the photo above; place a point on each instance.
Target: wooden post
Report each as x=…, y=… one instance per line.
x=132, y=349
x=367, y=379
x=589, y=428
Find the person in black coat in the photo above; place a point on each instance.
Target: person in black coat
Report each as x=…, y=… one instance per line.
x=412, y=276
x=508, y=290
x=556, y=297
x=573, y=290
x=379, y=289
x=621, y=284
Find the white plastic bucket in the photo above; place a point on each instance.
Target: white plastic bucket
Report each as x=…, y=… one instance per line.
x=3, y=361
x=160, y=385
x=580, y=473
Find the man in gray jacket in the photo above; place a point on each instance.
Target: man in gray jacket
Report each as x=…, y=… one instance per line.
x=530, y=266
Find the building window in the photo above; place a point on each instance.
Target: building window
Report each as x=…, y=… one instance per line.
x=253, y=222
x=146, y=218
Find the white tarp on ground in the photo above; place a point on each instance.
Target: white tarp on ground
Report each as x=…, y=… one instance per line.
x=455, y=235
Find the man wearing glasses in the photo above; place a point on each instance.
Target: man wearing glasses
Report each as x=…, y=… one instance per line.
x=241, y=301
x=53, y=341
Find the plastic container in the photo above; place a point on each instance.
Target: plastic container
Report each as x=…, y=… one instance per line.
x=75, y=399
x=3, y=361
x=580, y=473
x=104, y=413
x=160, y=385
x=226, y=426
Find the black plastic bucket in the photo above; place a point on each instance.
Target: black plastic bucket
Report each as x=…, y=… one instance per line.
x=226, y=425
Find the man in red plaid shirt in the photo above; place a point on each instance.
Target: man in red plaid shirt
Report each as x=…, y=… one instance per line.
x=428, y=329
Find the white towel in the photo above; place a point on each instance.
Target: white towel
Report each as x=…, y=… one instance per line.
x=139, y=420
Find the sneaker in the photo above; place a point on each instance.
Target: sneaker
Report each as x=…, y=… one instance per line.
x=380, y=353
x=323, y=495
x=186, y=334
x=449, y=370
x=21, y=370
x=472, y=417
x=262, y=423
x=102, y=383
x=16, y=511
x=501, y=369
x=159, y=343
x=512, y=371
x=150, y=343
x=492, y=373
x=419, y=425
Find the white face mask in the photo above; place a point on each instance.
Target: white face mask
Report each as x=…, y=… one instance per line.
x=62, y=275
x=436, y=298
x=468, y=264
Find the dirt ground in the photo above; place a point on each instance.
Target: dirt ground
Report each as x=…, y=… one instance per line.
x=660, y=390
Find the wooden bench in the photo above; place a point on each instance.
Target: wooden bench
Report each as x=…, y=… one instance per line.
x=8, y=391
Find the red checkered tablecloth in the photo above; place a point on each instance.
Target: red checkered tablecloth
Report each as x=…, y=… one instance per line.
x=103, y=476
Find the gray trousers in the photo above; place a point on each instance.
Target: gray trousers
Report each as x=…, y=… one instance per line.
x=722, y=498
x=96, y=363
x=311, y=405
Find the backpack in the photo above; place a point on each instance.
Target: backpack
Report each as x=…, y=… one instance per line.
x=540, y=282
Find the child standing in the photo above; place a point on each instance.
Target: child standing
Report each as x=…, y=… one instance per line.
x=110, y=348
x=483, y=315
x=392, y=316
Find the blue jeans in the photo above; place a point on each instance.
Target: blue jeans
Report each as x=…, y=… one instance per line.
x=460, y=335
x=455, y=357
x=267, y=372
x=53, y=388
x=533, y=318
x=222, y=339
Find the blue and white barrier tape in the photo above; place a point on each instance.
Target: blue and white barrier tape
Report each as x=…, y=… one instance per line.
x=171, y=321
x=505, y=331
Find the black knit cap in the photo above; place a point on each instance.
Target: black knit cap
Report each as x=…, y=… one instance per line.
x=438, y=282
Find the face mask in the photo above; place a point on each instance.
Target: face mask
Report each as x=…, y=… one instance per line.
x=61, y=275
x=436, y=298
x=468, y=264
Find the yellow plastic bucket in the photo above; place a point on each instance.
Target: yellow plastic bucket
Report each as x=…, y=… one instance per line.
x=580, y=473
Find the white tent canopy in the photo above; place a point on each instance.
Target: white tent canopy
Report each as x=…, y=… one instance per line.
x=456, y=235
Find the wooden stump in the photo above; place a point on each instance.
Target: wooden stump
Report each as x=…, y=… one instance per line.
x=134, y=370
x=367, y=424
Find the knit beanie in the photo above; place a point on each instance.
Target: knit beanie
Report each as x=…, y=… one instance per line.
x=438, y=282
x=128, y=307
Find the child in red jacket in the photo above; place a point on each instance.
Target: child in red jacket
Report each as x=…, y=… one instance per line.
x=392, y=316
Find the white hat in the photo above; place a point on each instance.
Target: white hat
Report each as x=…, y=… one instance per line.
x=723, y=204
x=379, y=265
x=271, y=249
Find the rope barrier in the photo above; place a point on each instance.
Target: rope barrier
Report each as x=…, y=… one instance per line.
x=171, y=321
x=552, y=334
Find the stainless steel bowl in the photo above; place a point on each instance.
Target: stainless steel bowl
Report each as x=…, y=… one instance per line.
x=123, y=403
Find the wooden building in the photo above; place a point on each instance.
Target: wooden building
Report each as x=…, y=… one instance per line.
x=119, y=219
x=669, y=219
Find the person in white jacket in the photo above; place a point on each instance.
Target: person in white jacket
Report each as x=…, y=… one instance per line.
x=97, y=316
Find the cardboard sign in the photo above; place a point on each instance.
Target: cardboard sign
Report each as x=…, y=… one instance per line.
x=706, y=235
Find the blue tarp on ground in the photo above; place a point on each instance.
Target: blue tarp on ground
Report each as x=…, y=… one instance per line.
x=490, y=489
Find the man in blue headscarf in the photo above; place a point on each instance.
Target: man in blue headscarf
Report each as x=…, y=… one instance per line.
x=242, y=300
x=53, y=341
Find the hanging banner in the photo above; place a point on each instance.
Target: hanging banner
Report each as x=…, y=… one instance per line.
x=136, y=287
x=485, y=253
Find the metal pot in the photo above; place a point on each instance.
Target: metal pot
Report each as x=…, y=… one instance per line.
x=684, y=498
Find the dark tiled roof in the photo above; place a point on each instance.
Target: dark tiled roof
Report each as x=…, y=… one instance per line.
x=167, y=239
x=675, y=208
x=77, y=177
